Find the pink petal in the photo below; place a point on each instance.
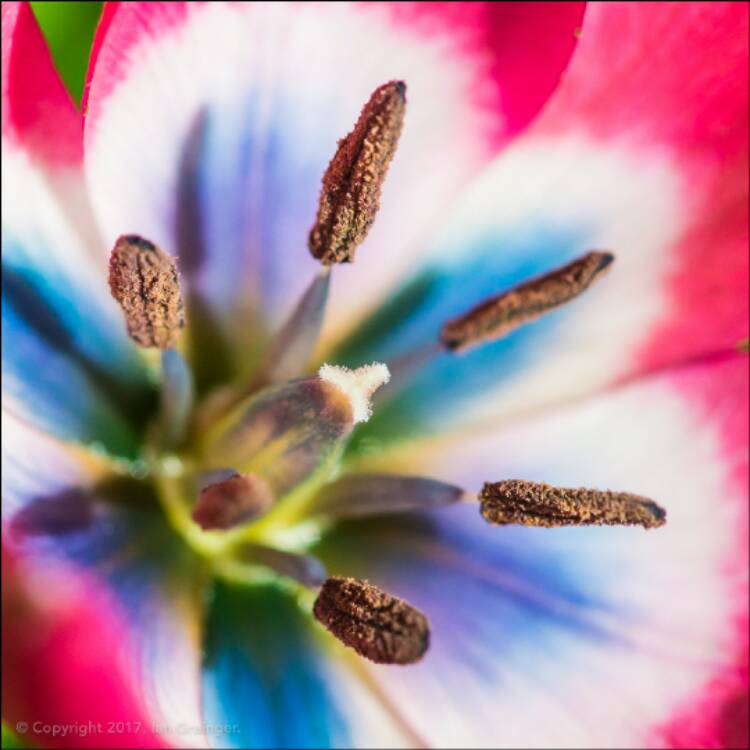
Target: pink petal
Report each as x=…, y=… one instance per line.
x=122, y=574
x=716, y=716
x=38, y=113
x=42, y=130
x=65, y=651
x=671, y=80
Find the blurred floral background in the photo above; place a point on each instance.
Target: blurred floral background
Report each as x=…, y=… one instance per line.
x=68, y=28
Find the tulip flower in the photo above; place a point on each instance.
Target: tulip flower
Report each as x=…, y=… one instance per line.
x=373, y=375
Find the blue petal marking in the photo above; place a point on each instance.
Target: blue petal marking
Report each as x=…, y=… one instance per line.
x=66, y=358
x=262, y=678
x=246, y=198
x=413, y=316
x=118, y=532
x=494, y=596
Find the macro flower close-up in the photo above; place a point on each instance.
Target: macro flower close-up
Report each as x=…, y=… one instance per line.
x=376, y=375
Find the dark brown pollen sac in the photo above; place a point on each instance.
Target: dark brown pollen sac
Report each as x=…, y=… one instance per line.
x=238, y=499
x=517, y=501
x=377, y=625
x=350, y=195
x=145, y=282
x=501, y=314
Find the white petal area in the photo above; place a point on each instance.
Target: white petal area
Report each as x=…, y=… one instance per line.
x=576, y=637
x=357, y=385
x=542, y=203
x=49, y=235
x=262, y=91
x=68, y=365
x=371, y=716
x=622, y=201
x=25, y=450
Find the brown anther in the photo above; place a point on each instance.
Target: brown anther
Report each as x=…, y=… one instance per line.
x=350, y=196
x=378, y=626
x=538, y=504
x=145, y=282
x=499, y=315
x=236, y=500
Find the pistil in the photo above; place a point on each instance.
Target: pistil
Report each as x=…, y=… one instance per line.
x=294, y=432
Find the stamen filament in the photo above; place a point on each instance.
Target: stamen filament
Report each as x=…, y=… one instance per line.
x=405, y=366
x=362, y=495
x=306, y=569
x=177, y=396
x=294, y=344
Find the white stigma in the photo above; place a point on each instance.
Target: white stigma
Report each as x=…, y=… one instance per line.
x=357, y=385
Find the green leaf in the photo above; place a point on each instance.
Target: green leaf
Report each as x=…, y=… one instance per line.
x=12, y=740
x=69, y=29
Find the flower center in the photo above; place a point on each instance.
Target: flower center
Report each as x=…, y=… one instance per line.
x=251, y=476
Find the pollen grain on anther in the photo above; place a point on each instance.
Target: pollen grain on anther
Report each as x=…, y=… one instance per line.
x=145, y=282
x=350, y=194
x=377, y=625
x=499, y=315
x=516, y=501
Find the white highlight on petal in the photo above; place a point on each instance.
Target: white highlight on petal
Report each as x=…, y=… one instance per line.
x=35, y=464
x=618, y=198
x=357, y=385
x=53, y=234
